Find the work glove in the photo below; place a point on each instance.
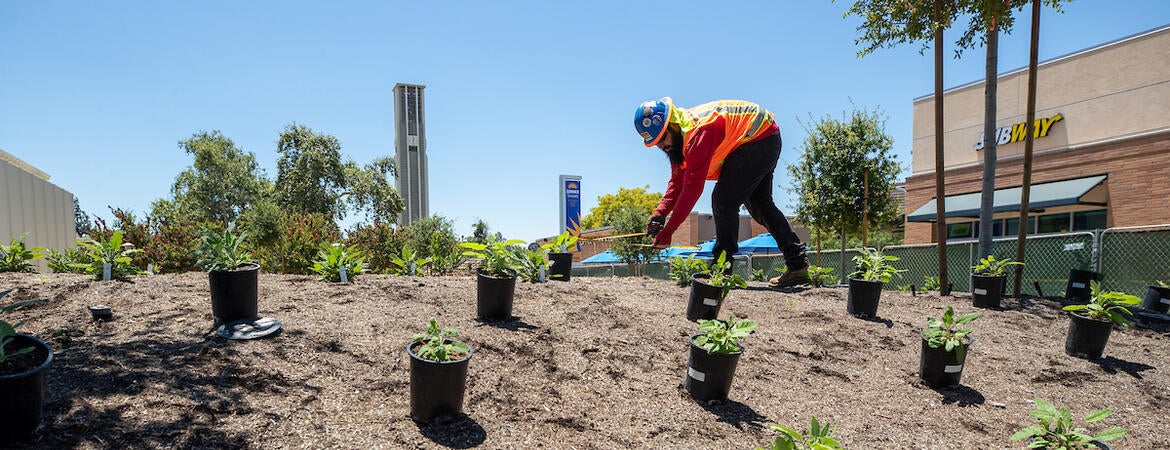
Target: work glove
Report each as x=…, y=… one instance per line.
x=664, y=237
x=655, y=224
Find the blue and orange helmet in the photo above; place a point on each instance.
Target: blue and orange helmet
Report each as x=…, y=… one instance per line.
x=651, y=119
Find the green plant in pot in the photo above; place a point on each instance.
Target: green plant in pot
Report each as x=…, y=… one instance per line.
x=874, y=269
x=495, y=277
x=709, y=289
x=987, y=280
x=682, y=269
x=532, y=267
x=339, y=263
x=944, y=348
x=108, y=258
x=231, y=273
x=1157, y=298
x=560, y=256
x=715, y=351
x=408, y=263
x=438, y=372
x=15, y=257
x=1081, y=274
x=818, y=436
x=1090, y=324
x=24, y=360
x=1057, y=430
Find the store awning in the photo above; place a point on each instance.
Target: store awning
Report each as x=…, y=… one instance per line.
x=1080, y=191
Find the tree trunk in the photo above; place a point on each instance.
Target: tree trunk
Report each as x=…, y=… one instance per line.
x=844, y=274
x=939, y=168
x=1029, y=125
x=987, y=199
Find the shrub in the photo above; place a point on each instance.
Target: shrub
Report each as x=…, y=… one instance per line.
x=99, y=252
x=681, y=269
x=562, y=243
x=943, y=333
x=532, y=263
x=8, y=330
x=435, y=345
x=408, y=263
x=1106, y=305
x=70, y=260
x=14, y=257
x=991, y=267
x=333, y=258
x=873, y=265
x=816, y=437
x=821, y=276
x=496, y=258
x=723, y=337
x=222, y=251
x=722, y=277
x=380, y=242
x=301, y=237
x=1056, y=430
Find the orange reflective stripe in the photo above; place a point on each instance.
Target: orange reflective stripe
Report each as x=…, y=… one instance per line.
x=742, y=122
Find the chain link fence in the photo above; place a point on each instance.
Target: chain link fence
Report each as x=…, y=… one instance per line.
x=1133, y=258
x=1129, y=260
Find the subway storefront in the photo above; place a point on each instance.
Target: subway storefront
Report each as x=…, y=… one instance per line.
x=1101, y=152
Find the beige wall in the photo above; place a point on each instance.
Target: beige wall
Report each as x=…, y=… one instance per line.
x=30, y=203
x=1115, y=91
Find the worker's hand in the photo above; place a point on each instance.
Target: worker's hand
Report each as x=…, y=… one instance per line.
x=664, y=238
x=655, y=224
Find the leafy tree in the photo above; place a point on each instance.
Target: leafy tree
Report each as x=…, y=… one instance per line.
x=380, y=241
x=371, y=190
x=479, y=231
x=847, y=167
x=220, y=183
x=634, y=251
x=310, y=175
x=610, y=205
x=81, y=222
x=432, y=236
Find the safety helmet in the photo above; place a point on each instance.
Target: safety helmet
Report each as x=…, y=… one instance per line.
x=651, y=119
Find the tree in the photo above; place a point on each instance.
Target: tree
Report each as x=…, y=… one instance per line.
x=432, y=236
x=371, y=191
x=310, y=175
x=479, y=231
x=847, y=167
x=634, y=251
x=81, y=222
x=609, y=205
x=220, y=183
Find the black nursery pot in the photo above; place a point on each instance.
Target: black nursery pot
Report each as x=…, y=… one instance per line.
x=494, y=296
x=436, y=388
x=234, y=293
x=1078, y=289
x=1157, y=299
x=863, y=297
x=562, y=266
x=101, y=312
x=705, y=299
x=986, y=292
x=1087, y=337
x=709, y=375
x=940, y=368
x=23, y=392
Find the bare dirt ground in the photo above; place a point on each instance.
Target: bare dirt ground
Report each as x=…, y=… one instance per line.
x=592, y=363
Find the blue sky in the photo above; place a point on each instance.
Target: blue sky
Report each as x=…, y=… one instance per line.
x=99, y=94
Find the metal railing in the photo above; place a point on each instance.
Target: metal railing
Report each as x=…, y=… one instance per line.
x=1129, y=259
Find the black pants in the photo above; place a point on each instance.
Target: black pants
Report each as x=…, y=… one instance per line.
x=746, y=180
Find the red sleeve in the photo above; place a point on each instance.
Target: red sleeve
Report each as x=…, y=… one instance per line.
x=698, y=159
x=672, y=189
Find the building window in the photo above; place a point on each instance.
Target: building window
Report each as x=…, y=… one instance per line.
x=1089, y=220
x=959, y=230
x=1053, y=223
x=1013, y=226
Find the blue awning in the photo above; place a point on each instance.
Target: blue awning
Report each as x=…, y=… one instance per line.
x=1079, y=191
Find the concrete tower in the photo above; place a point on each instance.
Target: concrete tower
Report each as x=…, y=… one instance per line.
x=410, y=147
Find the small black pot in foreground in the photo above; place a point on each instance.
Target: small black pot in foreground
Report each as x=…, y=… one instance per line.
x=705, y=299
x=863, y=297
x=944, y=349
x=1077, y=290
x=494, y=296
x=1091, y=324
x=438, y=373
x=1157, y=299
x=714, y=353
x=561, y=267
x=234, y=293
x=23, y=390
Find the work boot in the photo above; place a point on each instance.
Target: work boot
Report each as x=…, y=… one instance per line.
x=791, y=278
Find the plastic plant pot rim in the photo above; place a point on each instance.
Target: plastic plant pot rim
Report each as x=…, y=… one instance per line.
x=693, y=344
x=42, y=366
x=410, y=351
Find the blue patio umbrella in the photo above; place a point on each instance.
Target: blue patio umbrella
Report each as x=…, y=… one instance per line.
x=606, y=257
x=761, y=243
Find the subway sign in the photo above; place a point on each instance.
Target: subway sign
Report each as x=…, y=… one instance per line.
x=1017, y=131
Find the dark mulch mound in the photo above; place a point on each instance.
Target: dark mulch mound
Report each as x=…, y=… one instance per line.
x=593, y=363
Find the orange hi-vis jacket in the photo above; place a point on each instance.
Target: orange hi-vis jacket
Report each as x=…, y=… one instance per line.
x=742, y=122
x=711, y=131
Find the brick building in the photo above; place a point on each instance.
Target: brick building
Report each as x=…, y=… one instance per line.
x=1101, y=152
